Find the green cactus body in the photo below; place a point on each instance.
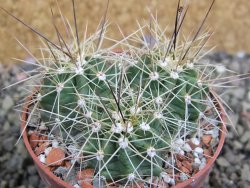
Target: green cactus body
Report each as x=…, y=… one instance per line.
x=152, y=104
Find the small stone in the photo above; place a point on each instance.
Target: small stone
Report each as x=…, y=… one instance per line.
x=214, y=132
x=41, y=148
x=99, y=182
x=185, y=170
x=172, y=181
x=76, y=186
x=247, y=148
x=42, y=158
x=43, y=138
x=198, y=150
x=34, y=139
x=206, y=139
x=8, y=103
x=187, y=147
x=187, y=164
x=237, y=145
x=47, y=150
x=86, y=185
x=33, y=180
x=207, y=153
x=183, y=176
x=55, y=157
x=165, y=177
x=42, y=127
x=179, y=142
x=222, y=162
x=197, y=162
x=245, y=173
x=8, y=144
x=245, y=137
x=6, y=126
x=55, y=144
x=86, y=175
x=195, y=141
x=61, y=171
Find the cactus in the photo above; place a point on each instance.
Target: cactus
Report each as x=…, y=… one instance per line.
x=124, y=111
x=127, y=107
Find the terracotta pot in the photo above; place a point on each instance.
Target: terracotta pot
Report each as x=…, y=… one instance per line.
x=53, y=181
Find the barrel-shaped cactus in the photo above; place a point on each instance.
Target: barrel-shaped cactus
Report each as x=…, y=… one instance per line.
x=127, y=108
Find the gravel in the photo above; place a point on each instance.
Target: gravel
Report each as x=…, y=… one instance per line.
x=232, y=169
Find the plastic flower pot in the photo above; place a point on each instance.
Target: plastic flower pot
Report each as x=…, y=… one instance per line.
x=55, y=182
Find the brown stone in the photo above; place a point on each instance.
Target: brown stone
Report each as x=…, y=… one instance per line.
x=206, y=139
x=86, y=185
x=187, y=164
x=55, y=157
x=178, y=164
x=34, y=139
x=185, y=170
x=67, y=164
x=86, y=175
x=180, y=157
x=43, y=138
x=207, y=153
x=41, y=148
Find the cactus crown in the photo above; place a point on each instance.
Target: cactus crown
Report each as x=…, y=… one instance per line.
x=125, y=112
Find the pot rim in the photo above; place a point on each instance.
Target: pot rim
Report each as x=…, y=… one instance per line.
x=179, y=185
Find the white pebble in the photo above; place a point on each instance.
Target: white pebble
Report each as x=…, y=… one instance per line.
x=203, y=164
x=77, y=186
x=179, y=142
x=187, y=147
x=172, y=181
x=42, y=158
x=203, y=160
x=214, y=132
x=195, y=141
x=181, y=152
x=72, y=149
x=183, y=176
x=165, y=177
x=30, y=132
x=47, y=150
x=55, y=144
x=198, y=150
x=42, y=126
x=197, y=161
